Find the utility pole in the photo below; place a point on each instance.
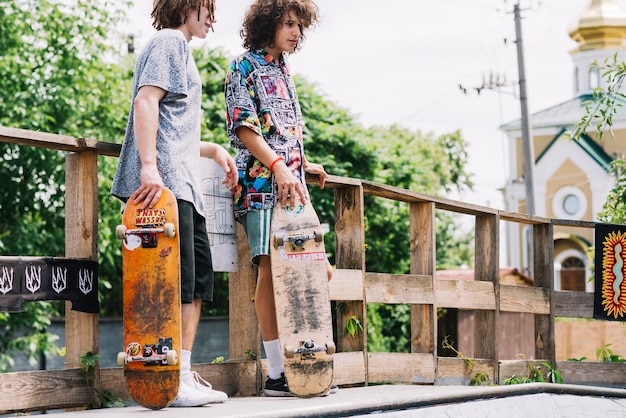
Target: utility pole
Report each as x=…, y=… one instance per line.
x=527, y=144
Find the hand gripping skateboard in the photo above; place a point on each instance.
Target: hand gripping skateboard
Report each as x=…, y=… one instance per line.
x=303, y=313
x=151, y=301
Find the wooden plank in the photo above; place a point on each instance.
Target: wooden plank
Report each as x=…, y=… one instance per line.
x=465, y=295
x=524, y=299
x=346, y=310
x=81, y=241
x=333, y=181
x=519, y=368
x=403, y=195
x=349, y=368
x=593, y=373
x=522, y=218
x=573, y=304
x=422, y=247
x=346, y=285
x=543, y=273
x=244, y=330
x=486, y=249
x=349, y=228
x=453, y=371
x=401, y=368
x=38, y=139
x=350, y=254
x=486, y=269
x=570, y=222
x=43, y=390
x=398, y=288
x=81, y=205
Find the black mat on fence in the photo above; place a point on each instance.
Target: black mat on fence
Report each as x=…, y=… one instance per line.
x=24, y=279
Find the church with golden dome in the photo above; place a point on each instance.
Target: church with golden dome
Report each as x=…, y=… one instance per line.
x=571, y=179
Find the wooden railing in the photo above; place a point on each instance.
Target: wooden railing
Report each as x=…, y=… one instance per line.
x=351, y=286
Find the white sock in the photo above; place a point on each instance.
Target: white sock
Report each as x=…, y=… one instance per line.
x=185, y=362
x=274, y=359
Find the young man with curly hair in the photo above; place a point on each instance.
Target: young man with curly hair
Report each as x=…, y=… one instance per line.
x=162, y=147
x=265, y=125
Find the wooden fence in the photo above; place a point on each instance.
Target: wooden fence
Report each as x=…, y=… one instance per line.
x=352, y=287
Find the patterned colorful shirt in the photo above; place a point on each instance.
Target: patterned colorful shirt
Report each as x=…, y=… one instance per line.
x=261, y=96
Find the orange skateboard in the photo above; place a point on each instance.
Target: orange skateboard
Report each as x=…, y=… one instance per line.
x=151, y=286
x=303, y=311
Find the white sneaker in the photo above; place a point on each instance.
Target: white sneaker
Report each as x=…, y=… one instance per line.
x=188, y=395
x=198, y=383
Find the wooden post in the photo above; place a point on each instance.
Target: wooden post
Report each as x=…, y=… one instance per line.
x=423, y=262
x=81, y=241
x=486, y=256
x=543, y=267
x=243, y=324
x=349, y=254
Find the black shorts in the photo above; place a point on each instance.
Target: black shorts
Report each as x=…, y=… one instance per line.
x=195, y=255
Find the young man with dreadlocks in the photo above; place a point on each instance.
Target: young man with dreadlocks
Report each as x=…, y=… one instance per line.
x=162, y=147
x=265, y=125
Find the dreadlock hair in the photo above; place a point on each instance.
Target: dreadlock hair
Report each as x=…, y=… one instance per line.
x=264, y=17
x=170, y=13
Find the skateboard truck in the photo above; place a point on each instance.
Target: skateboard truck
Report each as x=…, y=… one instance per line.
x=308, y=349
x=150, y=354
x=148, y=236
x=298, y=240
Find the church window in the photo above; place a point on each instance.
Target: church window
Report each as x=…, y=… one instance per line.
x=569, y=202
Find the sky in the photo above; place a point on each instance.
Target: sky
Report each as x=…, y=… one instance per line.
x=402, y=62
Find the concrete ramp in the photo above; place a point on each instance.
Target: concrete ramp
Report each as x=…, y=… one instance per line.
x=521, y=406
x=516, y=401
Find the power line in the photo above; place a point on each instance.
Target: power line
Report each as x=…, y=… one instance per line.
x=495, y=83
x=491, y=82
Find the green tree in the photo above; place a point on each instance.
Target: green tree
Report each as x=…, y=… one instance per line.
x=54, y=79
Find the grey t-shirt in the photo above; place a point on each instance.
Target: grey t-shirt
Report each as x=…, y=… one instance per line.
x=166, y=62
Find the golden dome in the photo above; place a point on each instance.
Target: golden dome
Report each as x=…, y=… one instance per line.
x=601, y=26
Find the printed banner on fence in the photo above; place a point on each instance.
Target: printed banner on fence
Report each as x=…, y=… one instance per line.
x=610, y=287
x=24, y=279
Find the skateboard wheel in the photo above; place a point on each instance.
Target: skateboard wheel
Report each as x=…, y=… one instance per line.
x=169, y=230
x=330, y=348
x=172, y=357
x=121, y=359
x=289, y=352
x=279, y=240
x=120, y=231
x=319, y=236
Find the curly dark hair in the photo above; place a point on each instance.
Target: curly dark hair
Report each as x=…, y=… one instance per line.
x=169, y=13
x=264, y=17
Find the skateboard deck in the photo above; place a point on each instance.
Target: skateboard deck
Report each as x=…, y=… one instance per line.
x=303, y=312
x=151, y=301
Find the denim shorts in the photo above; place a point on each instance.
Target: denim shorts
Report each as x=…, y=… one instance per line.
x=257, y=225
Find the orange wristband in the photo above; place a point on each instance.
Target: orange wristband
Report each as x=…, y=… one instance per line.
x=274, y=162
